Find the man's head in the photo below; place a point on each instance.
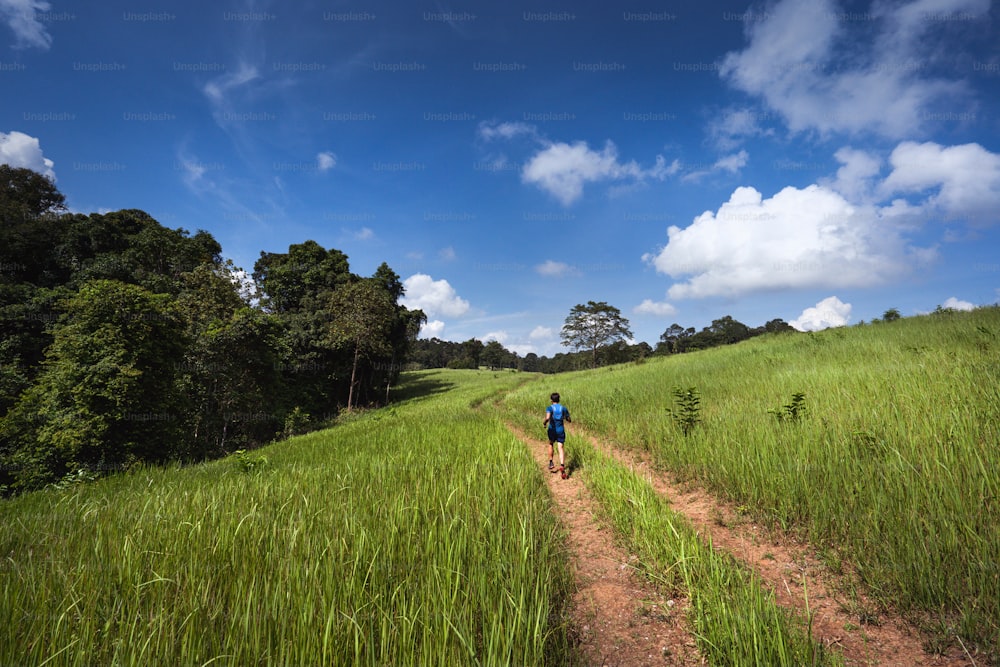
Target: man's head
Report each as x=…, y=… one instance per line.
x=555, y=397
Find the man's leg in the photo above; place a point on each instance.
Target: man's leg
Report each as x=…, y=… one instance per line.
x=551, y=450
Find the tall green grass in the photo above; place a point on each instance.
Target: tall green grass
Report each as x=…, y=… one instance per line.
x=893, y=467
x=735, y=618
x=416, y=535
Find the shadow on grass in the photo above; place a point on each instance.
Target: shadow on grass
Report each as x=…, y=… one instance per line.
x=420, y=387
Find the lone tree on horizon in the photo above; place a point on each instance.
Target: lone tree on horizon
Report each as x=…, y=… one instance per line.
x=591, y=326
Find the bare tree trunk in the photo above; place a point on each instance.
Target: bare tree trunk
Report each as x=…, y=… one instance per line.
x=388, y=379
x=354, y=370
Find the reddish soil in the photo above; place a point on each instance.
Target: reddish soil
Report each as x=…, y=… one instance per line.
x=620, y=619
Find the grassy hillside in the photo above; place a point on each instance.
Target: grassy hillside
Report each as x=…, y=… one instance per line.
x=378, y=542
x=889, y=458
x=424, y=534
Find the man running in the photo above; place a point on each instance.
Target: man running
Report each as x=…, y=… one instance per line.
x=555, y=415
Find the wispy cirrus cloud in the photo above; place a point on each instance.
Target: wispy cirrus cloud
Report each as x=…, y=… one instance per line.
x=731, y=127
x=728, y=163
x=21, y=16
x=553, y=269
x=221, y=89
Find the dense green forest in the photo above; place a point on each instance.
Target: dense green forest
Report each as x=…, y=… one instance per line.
x=126, y=342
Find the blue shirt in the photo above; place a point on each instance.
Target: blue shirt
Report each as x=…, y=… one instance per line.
x=557, y=413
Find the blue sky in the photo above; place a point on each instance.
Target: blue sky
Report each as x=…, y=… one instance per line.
x=816, y=161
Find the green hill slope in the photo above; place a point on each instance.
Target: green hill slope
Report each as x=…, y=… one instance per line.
x=378, y=542
x=385, y=541
x=888, y=459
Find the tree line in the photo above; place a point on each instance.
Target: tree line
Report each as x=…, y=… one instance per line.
x=125, y=342
x=598, y=333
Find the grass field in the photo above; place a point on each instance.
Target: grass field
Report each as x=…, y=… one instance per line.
x=378, y=542
x=891, y=464
x=735, y=617
x=384, y=541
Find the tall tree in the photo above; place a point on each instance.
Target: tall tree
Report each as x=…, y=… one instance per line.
x=30, y=227
x=726, y=331
x=590, y=326
x=296, y=286
x=530, y=363
x=494, y=355
x=473, y=352
x=307, y=271
x=671, y=339
x=26, y=195
x=107, y=396
x=231, y=370
x=777, y=325
x=364, y=314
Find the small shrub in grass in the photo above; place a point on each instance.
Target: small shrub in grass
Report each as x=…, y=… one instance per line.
x=248, y=462
x=81, y=476
x=687, y=409
x=297, y=422
x=791, y=412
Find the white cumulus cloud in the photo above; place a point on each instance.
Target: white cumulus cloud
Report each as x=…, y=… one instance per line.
x=807, y=65
x=434, y=297
x=830, y=312
x=961, y=181
x=659, y=308
x=845, y=231
x=18, y=149
x=857, y=172
x=562, y=169
x=326, y=161
x=957, y=304
x=733, y=163
x=432, y=329
x=21, y=16
x=541, y=333
x=810, y=237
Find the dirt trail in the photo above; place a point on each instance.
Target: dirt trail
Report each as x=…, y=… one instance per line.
x=791, y=570
x=619, y=617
